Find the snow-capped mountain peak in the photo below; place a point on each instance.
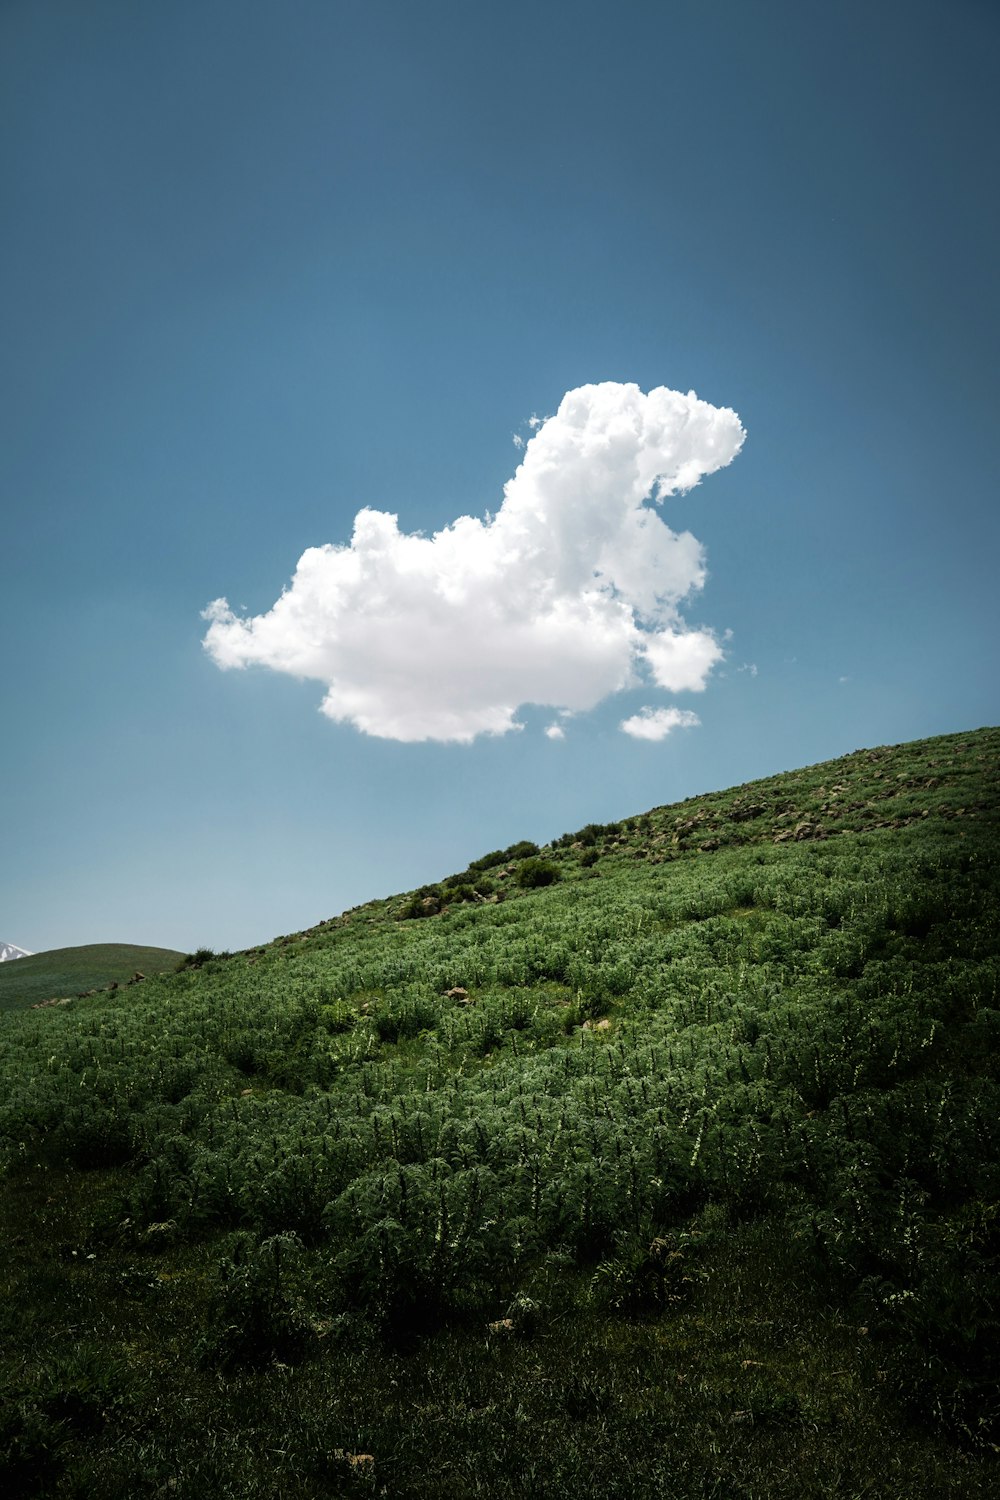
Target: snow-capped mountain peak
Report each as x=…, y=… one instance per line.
x=7, y=950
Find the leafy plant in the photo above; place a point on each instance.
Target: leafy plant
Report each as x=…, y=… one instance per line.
x=533, y=873
x=258, y=1314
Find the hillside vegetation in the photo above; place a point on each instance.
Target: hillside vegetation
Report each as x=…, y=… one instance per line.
x=67, y=972
x=661, y=1161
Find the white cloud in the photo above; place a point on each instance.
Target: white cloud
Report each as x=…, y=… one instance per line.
x=681, y=659
x=569, y=593
x=555, y=732
x=656, y=723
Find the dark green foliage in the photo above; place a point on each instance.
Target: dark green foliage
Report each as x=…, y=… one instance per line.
x=471, y=884
x=423, y=903
x=636, y=1156
x=73, y=1397
x=31, y=1448
x=78, y=1390
x=490, y=861
x=589, y=835
x=521, y=850
x=642, y=1278
x=393, y=1022
x=257, y=1316
x=199, y=958
x=537, y=872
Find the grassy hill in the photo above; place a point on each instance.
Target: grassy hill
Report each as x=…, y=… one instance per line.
x=661, y=1161
x=65, y=972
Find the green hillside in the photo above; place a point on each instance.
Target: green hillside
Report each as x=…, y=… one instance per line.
x=661, y=1161
x=65, y=972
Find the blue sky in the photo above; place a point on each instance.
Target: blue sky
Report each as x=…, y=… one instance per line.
x=266, y=265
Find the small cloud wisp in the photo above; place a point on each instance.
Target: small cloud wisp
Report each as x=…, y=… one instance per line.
x=656, y=723
x=571, y=592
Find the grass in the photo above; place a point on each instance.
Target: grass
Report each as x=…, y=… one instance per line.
x=675, y=1176
x=756, y=1384
x=63, y=972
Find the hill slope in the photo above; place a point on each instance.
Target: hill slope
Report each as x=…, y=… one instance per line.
x=662, y=1161
x=62, y=972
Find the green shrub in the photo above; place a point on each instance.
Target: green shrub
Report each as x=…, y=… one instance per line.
x=258, y=1315
x=401, y=1022
x=537, y=872
x=520, y=850
x=642, y=1278
x=337, y=1018
x=426, y=902
x=199, y=958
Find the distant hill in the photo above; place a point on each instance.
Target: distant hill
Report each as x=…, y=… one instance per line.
x=71, y=971
x=9, y=951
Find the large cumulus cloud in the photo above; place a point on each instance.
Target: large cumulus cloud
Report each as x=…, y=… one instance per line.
x=572, y=591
